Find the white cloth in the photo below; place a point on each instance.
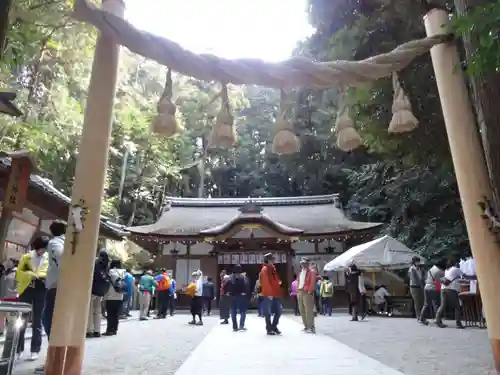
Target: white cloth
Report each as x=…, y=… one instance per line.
x=37, y=261
x=302, y=279
x=361, y=285
x=453, y=274
x=55, y=248
x=199, y=286
x=379, y=295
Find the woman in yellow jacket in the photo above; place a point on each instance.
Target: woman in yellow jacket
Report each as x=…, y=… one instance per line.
x=31, y=274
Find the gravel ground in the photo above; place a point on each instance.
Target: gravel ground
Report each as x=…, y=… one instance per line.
x=413, y=349
x=155, y=347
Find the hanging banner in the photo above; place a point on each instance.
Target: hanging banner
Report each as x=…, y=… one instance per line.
x=220, y=259
x=227, y=259
x=17, y=187
x=251, y=259
x=244, y=258
x=283, y=258
x=235, y=259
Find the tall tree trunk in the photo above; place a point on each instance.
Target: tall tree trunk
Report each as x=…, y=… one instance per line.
x=201, y=167
x=5, y=6
x=486, y=96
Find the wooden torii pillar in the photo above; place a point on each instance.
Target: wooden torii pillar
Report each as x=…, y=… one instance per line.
x=66, y=345
x=470, y=169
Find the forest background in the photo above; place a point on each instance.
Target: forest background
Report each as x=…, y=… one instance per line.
x=405, y=181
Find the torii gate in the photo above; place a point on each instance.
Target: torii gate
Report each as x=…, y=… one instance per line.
x=66, y=347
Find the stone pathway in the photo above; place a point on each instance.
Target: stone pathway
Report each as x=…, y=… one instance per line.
x=406, y=346
x=376, y=346
x=293, y=353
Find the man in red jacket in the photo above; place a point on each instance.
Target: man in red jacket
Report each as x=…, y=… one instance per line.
x=270, y=286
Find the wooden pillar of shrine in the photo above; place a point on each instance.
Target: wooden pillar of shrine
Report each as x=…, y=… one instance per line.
x=66, y=345
x=470, y=169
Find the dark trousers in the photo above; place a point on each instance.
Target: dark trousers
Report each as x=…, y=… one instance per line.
x=35, y=296
x=260, y=301
x=326, y=306
x=224, y=305
x=127, y=300
x=171, y=303
x=317, y=303
x=356, y=304
x=207, y=304
x=239, y=304
x=449, y=299
x=113, y=310
x=48, y=310
x=197, y=306
x=163, y=297
x=296, y=305
x=271, y=307
x=417, y=294
x=431, y=303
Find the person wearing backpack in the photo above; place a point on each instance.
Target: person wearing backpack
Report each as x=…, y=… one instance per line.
x=100, y=286
x=163, y=293
x=326, y=292
x=114, y=296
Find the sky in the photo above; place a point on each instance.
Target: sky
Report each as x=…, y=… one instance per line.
x=262, y=29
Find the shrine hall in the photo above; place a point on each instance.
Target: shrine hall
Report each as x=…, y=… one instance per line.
x=213, y=234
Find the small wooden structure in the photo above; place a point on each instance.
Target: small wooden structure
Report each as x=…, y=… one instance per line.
x=217, y=233
x=41, y=204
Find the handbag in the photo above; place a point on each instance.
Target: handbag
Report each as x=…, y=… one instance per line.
x=437, y=283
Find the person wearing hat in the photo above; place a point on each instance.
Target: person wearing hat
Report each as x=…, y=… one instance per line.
x=305, y=294
x=270, y=286
x=353, y=280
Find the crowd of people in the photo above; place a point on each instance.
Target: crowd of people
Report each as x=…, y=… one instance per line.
x=34, y=278
x=437, y=289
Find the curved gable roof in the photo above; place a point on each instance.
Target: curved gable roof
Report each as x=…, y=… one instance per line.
x=313, y=215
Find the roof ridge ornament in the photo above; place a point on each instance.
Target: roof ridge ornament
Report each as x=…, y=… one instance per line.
x=250, y=207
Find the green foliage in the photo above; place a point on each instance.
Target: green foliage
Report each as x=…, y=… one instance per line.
x=405, y=181
x=482, y=24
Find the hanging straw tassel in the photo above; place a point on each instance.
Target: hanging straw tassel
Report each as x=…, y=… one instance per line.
x=403, y=119
x=285, y=140
x=348, y=138
x=165, y=122
x=223, y=132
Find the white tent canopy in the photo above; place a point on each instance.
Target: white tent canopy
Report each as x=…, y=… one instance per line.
x=382, y=253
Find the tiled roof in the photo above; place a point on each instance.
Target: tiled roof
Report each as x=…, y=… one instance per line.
x=37, y=181
x=314, y=215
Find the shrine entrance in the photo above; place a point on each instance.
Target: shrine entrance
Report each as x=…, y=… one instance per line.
x=251, y=264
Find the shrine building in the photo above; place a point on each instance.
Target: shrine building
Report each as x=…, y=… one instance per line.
x=213, y=234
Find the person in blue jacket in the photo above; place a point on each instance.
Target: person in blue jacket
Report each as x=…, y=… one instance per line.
x=127, y=297
x=171, y=295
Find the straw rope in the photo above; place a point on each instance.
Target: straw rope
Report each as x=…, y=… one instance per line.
x=403, y=119
x=295, y=72
x=285, y=141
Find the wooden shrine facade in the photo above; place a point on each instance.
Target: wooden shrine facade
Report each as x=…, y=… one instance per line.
x=44, y=203
x=217, y=233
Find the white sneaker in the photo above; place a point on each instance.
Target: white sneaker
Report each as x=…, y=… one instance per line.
x=18, y=356
x=34, y=356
